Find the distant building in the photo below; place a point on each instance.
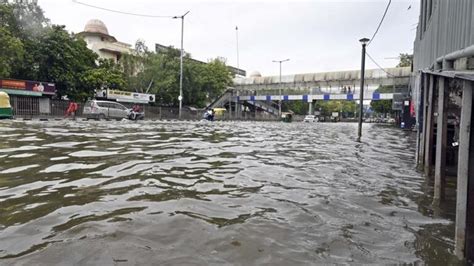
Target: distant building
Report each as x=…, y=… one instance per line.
x=159, y=48
x=98, y=40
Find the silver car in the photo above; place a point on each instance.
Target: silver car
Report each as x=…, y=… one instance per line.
x=105, y=109
x=310, y=118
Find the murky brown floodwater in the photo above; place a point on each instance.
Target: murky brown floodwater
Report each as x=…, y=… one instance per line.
x=126, y=193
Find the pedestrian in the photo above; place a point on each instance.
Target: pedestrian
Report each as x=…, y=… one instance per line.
x=71, y=109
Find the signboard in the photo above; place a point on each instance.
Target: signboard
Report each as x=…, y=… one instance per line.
x=398, y=102
x=26, y=87
x=335, y=114
x=237, y=71
x=125, y=96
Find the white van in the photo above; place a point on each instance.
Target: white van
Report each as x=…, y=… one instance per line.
x=105, y=109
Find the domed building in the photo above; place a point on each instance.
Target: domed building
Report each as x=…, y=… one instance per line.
x=101, y=42
x=255, y=74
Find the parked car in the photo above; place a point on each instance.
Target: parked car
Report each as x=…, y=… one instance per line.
x=105, y=109
x=310, y=118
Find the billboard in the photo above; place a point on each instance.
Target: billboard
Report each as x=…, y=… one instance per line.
x=126, y=96
x=36, y=87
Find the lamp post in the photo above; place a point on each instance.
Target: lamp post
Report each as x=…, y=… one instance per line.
x=237, y=44
x=180, y=98
x=279, y=100
x=362, y=76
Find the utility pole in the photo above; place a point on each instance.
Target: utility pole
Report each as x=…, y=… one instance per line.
x=180, y=98
x=361, y=94
x=237, y=42
x=279, y=100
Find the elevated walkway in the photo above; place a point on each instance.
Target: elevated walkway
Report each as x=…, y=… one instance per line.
x=309, y=83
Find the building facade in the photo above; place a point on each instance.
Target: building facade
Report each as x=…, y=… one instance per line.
x=102, y=43
x=442, y=85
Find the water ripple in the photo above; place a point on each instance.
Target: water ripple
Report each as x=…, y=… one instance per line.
x=215, y=193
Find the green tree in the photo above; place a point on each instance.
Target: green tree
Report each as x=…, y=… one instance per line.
x=63, y=59
x=298, y=107
x=382, y=106
x=214, y=78
x=7, y=18
x=406, y=60
x=201, y=82
x=12, y=51
x=346, y=108
x=134, y=63
x=161, y=75
x=30, y=19
x=34, y=49
x=106, y=75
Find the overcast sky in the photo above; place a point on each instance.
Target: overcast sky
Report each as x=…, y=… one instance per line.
x=317, y=36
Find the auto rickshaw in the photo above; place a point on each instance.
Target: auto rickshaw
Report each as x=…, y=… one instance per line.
x=219, y=113
x=286, y=117
x=5, y=107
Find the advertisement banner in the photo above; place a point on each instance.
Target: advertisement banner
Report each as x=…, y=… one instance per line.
x=28, y=86
x=126, y=96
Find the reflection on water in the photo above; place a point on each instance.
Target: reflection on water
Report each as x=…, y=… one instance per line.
x=213, y=193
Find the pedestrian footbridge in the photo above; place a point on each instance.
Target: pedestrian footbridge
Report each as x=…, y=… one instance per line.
x=263, y=93
x=309, y=98
x=320, y=83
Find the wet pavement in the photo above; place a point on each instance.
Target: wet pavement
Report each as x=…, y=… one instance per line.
x=125, y=193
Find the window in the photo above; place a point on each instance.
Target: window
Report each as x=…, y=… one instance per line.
x=118, y=106
x=103, y=104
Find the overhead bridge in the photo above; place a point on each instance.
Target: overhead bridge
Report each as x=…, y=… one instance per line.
x=326, y=82
x=310, y=98
x=263, y=93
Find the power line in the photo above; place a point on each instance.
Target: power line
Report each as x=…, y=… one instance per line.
x=380, y=24
x=120, y=12
x=381, y=68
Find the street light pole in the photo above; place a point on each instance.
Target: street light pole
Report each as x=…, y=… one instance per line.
x=279, y=100
x=180, y=98
x=361, y=94
x=237, y=43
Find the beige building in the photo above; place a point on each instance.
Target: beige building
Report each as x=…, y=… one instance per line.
x=98, y=40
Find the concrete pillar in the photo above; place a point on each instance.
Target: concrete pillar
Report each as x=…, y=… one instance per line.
x=470, y=193
x=465, y=177
x=310, y=109
x=230, y=108
x=424, y=110
x=441, y=138
x=429, y=127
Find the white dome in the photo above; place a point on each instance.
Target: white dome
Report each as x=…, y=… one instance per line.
x=96, y=26
x=255, y=74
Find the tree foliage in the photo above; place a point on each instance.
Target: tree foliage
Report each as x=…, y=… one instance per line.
x=347, y=108
x=33, y=49
x=107, y=75
x=160, y=74
x=297, y=107
x=382, y=106
x=12, y=51
x=406, y=60
x=64, y=60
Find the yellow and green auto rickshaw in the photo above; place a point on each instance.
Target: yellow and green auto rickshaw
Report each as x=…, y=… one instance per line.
x=5, y=107
x=219, y=113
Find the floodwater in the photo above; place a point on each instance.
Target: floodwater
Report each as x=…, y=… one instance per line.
x=125, y=193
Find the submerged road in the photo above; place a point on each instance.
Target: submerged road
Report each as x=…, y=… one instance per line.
x=111, y=193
